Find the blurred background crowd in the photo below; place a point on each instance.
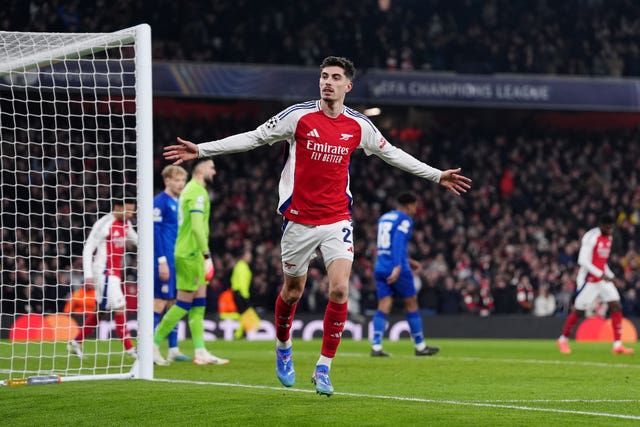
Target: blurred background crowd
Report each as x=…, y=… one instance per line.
x=578, y=37
x=508, y=246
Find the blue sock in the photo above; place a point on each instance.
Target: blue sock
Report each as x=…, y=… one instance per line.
x=415, y=325
x=379, y=325
x=173, y=337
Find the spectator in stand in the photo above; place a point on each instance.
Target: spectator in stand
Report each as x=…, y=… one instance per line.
x=450, y=301
x=504, y=297
x=544, y=303
x=525, y=294
x=477, y=298
x=631, y=303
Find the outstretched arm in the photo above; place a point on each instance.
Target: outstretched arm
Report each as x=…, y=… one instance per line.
x=182, y=152
x=454, y=182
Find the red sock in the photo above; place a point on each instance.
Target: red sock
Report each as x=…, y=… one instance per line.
x=122, y=331
x=90, y=323
x=284, y=318
x=616, y=323
x=569, y=324
x=334, y=318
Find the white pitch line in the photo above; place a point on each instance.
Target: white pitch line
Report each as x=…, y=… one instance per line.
x=545, y=362
x=505, y=360
x=559, y=401
x=417, y=399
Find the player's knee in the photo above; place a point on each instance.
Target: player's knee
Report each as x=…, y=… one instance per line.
x=291, y=294
x=411, y=304
x=339, y=293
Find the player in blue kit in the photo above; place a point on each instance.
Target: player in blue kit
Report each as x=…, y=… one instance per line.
x=394, y=276
x=165, y=231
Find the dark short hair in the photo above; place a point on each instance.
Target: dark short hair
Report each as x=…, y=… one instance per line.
x=606, y=219
x=199, y=160
x=122, y=202
x=342, y=62
x=127, y=200
x=406, y=198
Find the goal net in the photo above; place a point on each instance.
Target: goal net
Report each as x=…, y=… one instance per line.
x=75, y=137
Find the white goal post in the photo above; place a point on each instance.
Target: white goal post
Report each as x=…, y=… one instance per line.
x=75, y=136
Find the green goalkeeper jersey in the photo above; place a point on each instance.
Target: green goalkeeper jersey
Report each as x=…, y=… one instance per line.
x=193, y=221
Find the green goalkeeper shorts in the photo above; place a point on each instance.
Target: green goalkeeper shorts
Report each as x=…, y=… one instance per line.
x=190, y=273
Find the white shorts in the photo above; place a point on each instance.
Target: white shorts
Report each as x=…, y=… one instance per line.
x=299, y=243
x=109, y=295
x=589, y=291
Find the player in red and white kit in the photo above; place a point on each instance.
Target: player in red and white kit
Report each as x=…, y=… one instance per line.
x=595, y=279
x=315, y=199
x=102, y=265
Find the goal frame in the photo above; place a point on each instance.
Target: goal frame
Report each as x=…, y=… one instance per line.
x=141, y=36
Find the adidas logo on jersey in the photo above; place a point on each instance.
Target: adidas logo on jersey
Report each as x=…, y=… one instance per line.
x=314, y=133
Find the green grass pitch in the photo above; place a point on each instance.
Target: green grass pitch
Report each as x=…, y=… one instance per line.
x=469, y=383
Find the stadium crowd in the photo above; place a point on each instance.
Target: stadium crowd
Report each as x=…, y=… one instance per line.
x=512, y=239
x=493, y=251
x=577, y=37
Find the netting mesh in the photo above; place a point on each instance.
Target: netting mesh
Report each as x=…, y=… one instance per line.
x=67, y=151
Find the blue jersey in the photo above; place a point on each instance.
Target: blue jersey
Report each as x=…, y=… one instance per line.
x=165, y=231
x=394, y=231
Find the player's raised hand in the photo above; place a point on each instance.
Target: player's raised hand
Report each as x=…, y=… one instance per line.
x=182, y=152
x=454, y=182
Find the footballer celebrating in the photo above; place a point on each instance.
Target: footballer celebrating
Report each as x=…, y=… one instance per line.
x=315, y=200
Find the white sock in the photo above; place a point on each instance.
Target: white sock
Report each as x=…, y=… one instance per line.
x=325, y=361
x=284, y=345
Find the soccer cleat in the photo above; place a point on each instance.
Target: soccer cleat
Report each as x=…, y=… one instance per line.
x=74, y=348
x=284, y=367
x=203, y=357
x=563, y=346
x=131, y=352
x=157, y=357
x=174, y=355
x=622, y=350
x=379, y=353
x=321, y=379
x=427, y=351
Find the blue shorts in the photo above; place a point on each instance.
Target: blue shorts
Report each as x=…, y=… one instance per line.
x=403, y=287
x=165, y=290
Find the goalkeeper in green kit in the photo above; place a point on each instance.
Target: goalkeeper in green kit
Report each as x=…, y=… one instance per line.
x=194, y=266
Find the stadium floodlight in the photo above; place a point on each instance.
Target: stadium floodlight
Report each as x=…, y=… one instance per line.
x=75, y=134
